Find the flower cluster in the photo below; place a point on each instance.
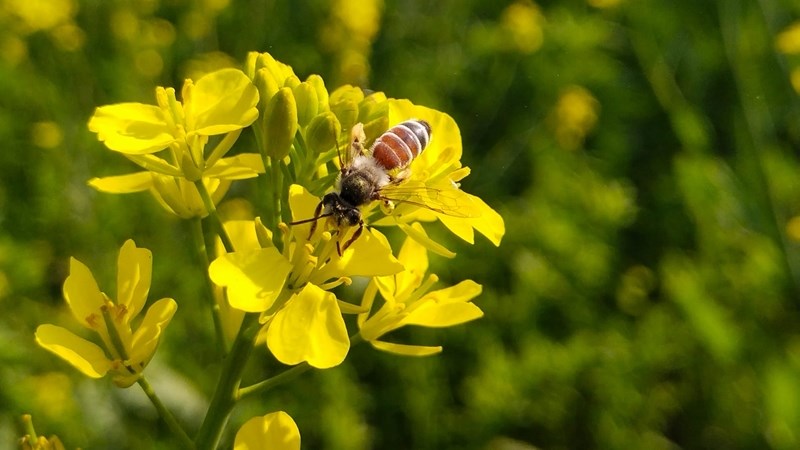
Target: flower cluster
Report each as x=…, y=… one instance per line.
x=273, y=282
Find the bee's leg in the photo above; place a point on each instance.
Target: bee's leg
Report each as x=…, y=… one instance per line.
x=317, y=212
x=387, y=207
x=350, y=241
x=400, y=176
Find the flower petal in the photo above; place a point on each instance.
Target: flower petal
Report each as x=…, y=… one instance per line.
x=309, y=328
x=82, y=294
x=446, y=307
x=85, y=356
x=145, y=339
x=370, y=255
x=414, y=258
x=239, y=167
x=123, y=184
x=302, y=204
x=133, y=128
x=254, y=278
x=489, y=223
x=222, y=101
x=443, y=153
x=275, y=431
x=406, y=350
x=134, y=271
x=417, y=233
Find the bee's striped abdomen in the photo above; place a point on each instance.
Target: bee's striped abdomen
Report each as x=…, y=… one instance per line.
x=398, y=146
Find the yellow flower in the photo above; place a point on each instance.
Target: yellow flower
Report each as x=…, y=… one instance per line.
x=309, y=328
x=220, y=103
x=174, y=194
x=303, y=322
x=126, y=352
x=275, y=431
x=408, y=302
x=435, y=175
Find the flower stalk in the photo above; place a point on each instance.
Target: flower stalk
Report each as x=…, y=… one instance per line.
x=225, y=394
x=166, y=415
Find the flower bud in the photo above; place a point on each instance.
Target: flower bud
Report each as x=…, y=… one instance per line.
x=347, y=113
x=280, y=123
x=267, y=86
x=307, y=103
x=322, y=93
x=322, y=133
x=373, y=106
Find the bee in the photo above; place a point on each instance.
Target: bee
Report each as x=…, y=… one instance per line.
x=368, y=172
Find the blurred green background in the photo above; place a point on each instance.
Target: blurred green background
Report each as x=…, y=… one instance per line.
x=643, y=153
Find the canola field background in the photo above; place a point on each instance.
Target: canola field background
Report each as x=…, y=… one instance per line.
x=644, y=155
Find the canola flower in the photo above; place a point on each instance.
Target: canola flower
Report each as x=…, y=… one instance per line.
x=125, y=351
x=407, y=301
x=271, y=284
x=220, y=103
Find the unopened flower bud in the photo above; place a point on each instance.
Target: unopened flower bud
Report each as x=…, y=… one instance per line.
x=347, y=113
x=280, y=122
x=307, y=104
x=322, y=133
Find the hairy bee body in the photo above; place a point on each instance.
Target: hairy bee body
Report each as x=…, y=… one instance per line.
x=366, y=173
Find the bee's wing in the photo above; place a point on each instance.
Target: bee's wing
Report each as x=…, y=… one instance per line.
x=447, y=200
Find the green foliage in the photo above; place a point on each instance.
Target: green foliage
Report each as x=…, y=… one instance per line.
x=642, y=153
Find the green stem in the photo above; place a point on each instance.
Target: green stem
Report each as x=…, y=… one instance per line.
x=225, y=397
x=202, y=255
x=212, y=213
x=277, y=189
x=285, y=376
x=277, y=380
x=165, y=414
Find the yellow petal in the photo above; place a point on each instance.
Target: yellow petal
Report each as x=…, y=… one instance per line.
x=481, y=217
x=446, y=307
x=309, y=328
x=145, y=339
x=123, y=184
x=82, y=294
x=239, y=167
x=254, y=278
x=82, y=354
x=489, y=223
x=414, y=258
x=370, y=255
x=222, y=101
x=406, y=350
x=417, y=233
x=180, y=197
x=302, y=204
x=275, y=431
x=134, y=271
x=132, y=128
x=242, y=234
x=446, y=315
x=444, y=150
